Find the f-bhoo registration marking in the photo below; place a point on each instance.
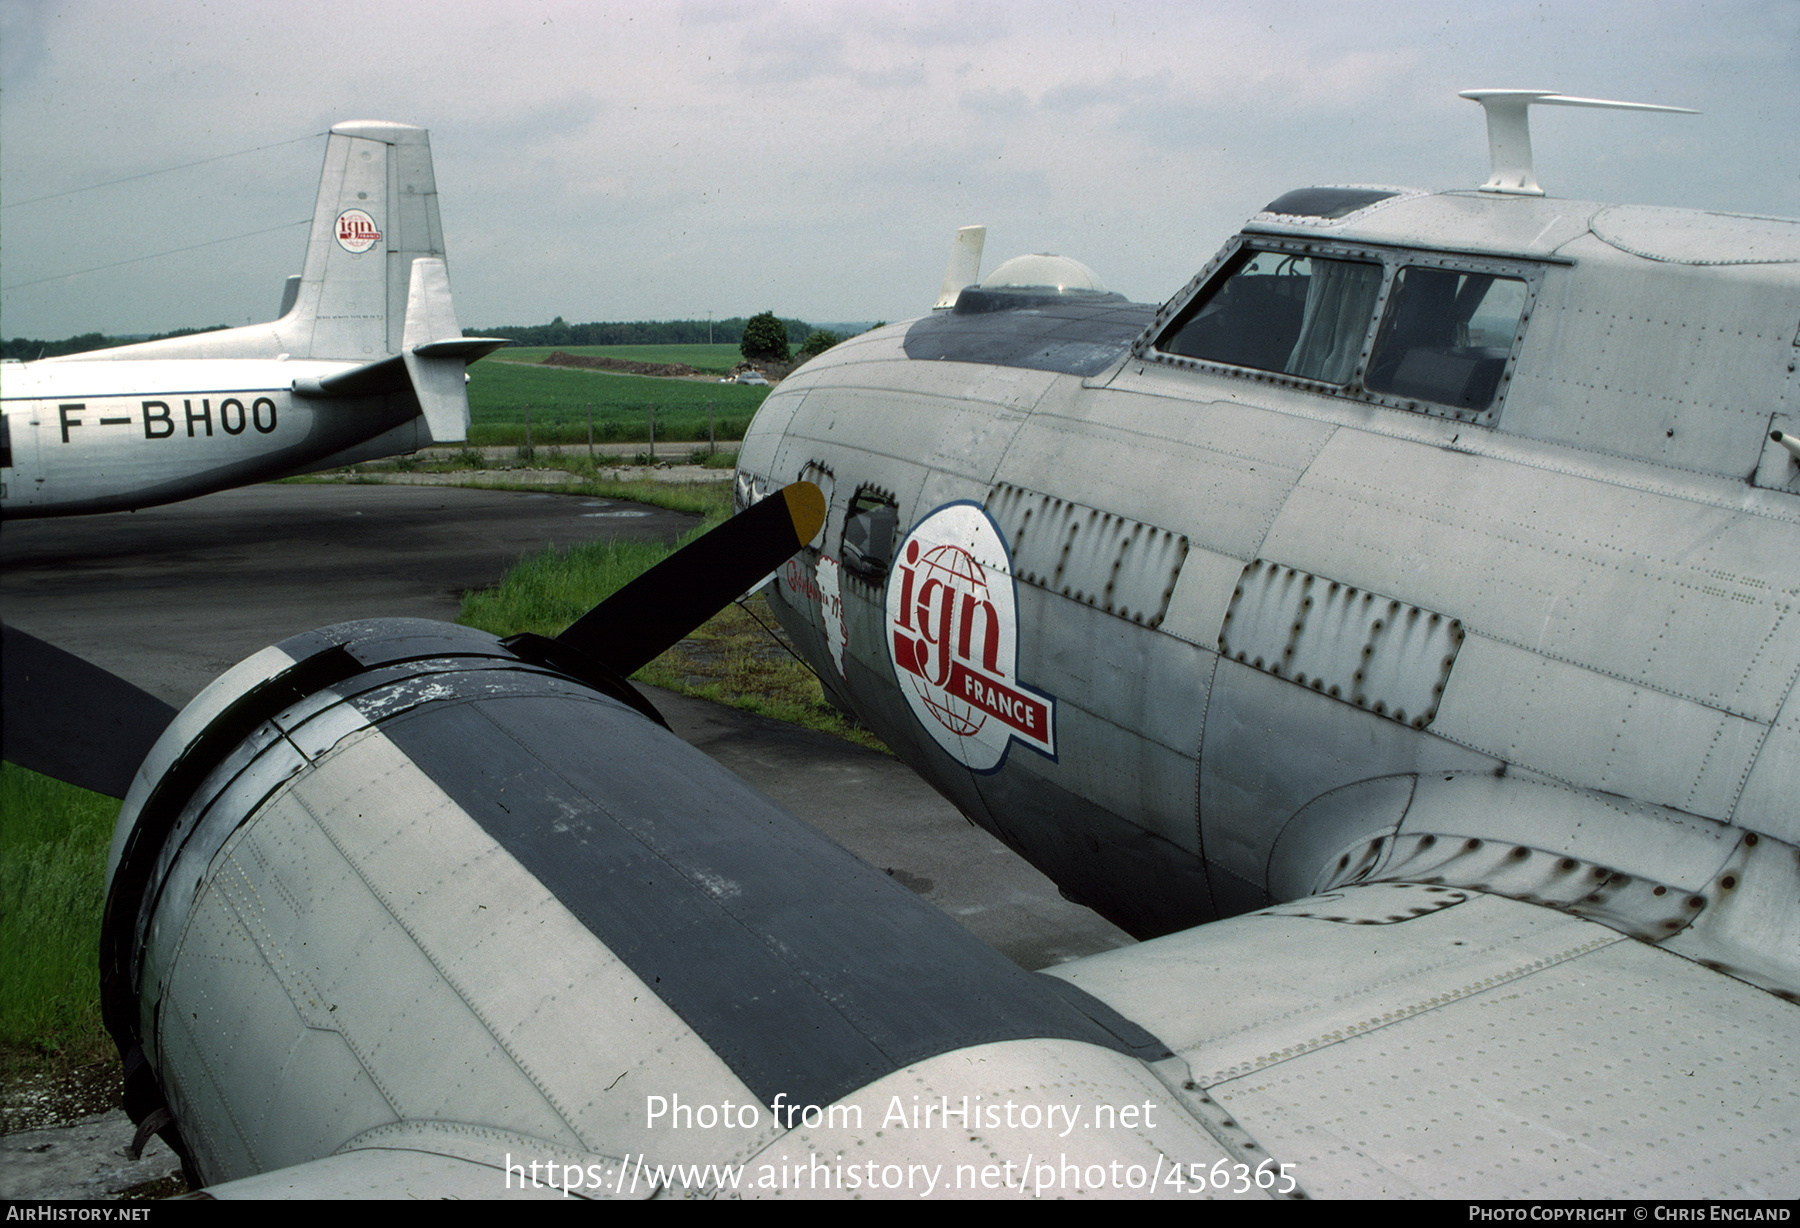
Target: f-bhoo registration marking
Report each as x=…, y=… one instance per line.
x=163, y=419
x=953, y=637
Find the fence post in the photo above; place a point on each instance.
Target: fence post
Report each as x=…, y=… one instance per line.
x=710, y=447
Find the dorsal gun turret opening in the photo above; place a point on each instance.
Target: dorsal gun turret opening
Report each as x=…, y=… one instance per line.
x=1509, y=131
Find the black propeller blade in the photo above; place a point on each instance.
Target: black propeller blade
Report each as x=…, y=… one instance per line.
x=71, y=719
x=663, y=606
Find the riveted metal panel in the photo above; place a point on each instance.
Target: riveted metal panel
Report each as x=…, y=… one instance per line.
x=1201, y=597
x=1683, y=597
x=1121, y=566
x=1223, y=468
x=1487, y=1092
x=982, y=1131
x=1746, y=923
x=1154, y=685
x=1471, y=221
x=1140, y=780
x=1375, y=652
x=1254, y=719
x=1670, y=363
x=1767, y=802
x=1598, y=732
x=1642, y=907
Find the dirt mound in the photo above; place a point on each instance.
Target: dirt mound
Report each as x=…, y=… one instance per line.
x=560, y=359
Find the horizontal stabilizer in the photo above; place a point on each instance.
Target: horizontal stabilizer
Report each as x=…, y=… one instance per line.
x=373, y=379
x=68, y=718
x=466, y=348
x=432, y=366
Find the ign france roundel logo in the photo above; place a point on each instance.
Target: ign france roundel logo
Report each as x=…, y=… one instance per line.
x=356, y=232
x=953, y=637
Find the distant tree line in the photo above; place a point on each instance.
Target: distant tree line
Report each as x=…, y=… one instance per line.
x=27, y=349
x=636, y=332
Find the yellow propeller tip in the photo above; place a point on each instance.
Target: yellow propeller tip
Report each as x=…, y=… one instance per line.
x=806, y=508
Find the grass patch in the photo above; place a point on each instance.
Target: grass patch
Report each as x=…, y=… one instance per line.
x=559, y=398
x=546, y=591
x=738, y=657
x=703, y=498
x=53, y=844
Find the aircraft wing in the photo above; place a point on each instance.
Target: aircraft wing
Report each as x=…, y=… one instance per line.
x=1405, y=1039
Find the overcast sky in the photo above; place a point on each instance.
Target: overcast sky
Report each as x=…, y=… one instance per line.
x=662, y=160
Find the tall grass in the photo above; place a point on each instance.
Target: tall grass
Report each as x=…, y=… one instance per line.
x=547, y=591
x=730, y=659
x=53, y=844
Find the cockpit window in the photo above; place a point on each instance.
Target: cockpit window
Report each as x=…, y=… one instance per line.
x=1430, y=332
x=1447, y=336
x=1305, y=316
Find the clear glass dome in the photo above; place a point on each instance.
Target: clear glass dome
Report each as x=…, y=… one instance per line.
x=1043, y=271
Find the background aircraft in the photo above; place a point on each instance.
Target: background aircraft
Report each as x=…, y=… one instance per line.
x=366, y=360
x=1446, y=648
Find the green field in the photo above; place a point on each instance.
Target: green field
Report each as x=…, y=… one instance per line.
x=712, y=359
x=501, y=390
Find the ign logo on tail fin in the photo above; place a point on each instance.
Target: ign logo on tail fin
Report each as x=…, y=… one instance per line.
x=953, y=637
x=356, y=231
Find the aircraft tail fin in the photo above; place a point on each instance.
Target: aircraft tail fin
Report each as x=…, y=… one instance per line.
x=376, y=214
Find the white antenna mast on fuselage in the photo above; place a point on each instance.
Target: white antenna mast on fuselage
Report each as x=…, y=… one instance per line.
x=1509, y=131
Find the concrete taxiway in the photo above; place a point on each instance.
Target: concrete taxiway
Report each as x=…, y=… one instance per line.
x=169, y=598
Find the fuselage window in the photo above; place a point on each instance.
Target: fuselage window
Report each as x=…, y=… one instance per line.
x=869, y=524
x=1446, y=337
x=1304, y=316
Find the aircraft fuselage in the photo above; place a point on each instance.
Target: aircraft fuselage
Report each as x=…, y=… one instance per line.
x=116, y=435
x=1281, y=630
